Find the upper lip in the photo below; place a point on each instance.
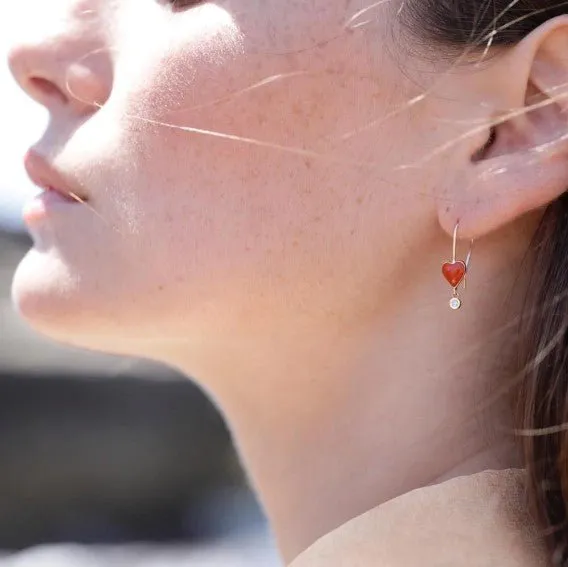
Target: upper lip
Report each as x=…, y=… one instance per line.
x=44, y=175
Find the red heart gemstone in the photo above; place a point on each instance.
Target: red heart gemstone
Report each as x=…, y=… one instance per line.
x=454, y=272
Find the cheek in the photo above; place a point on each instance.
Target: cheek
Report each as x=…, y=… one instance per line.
x=245, y=155
x=239, y=228
x=237, y=176
x=241, y=73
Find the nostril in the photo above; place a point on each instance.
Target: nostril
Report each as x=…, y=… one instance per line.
x=44, y=89
x=55, y=73
x=26, y=61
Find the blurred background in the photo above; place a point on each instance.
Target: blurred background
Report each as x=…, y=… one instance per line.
x=103, y=460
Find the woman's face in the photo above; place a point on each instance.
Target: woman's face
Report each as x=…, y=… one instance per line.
x=240, y=160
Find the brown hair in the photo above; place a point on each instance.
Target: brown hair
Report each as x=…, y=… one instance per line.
x=542, y=397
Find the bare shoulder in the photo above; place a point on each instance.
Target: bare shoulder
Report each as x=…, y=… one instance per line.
x=475, y=521
x=318, y=557
x=354, y=544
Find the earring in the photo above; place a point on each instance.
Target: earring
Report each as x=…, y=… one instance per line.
x=456, y=270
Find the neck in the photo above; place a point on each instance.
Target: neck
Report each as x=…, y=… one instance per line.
x=331, y=425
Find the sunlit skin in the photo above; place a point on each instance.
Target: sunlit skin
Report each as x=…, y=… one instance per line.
x=271, y=189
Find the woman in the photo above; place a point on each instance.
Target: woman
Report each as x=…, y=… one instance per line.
x=262, y=194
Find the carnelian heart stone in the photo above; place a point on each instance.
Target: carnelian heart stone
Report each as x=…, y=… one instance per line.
x=454, y=272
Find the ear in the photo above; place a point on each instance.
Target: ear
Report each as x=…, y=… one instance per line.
x=524, y=163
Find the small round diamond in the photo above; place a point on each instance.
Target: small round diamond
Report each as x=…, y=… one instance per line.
x=455, y=303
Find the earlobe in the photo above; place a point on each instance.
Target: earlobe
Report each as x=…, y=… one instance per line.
x=523, y=165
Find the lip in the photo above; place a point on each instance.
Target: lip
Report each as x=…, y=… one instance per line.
x=48, y=178
x=45, y=204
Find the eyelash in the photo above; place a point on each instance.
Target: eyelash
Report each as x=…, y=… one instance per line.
x=184, y=4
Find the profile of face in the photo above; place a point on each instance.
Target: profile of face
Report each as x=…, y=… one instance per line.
x=251, y=168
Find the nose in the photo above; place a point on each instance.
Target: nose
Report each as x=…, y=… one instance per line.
x=67, y=68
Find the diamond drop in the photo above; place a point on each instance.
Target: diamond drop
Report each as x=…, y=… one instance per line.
x=455, y=303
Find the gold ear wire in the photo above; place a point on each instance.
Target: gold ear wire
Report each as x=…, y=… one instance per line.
x=468, y=257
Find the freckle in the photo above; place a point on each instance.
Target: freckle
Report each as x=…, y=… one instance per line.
x=447, y=209
x=160, y=288
x=359, y=200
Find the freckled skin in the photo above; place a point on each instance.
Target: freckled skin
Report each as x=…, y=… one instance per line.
x=266, y=213
x=261, y=210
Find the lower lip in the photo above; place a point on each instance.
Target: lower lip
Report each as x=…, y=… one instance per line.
x=39, y=206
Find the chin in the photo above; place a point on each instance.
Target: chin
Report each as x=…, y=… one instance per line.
x=71, y=307
x=48, y=298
